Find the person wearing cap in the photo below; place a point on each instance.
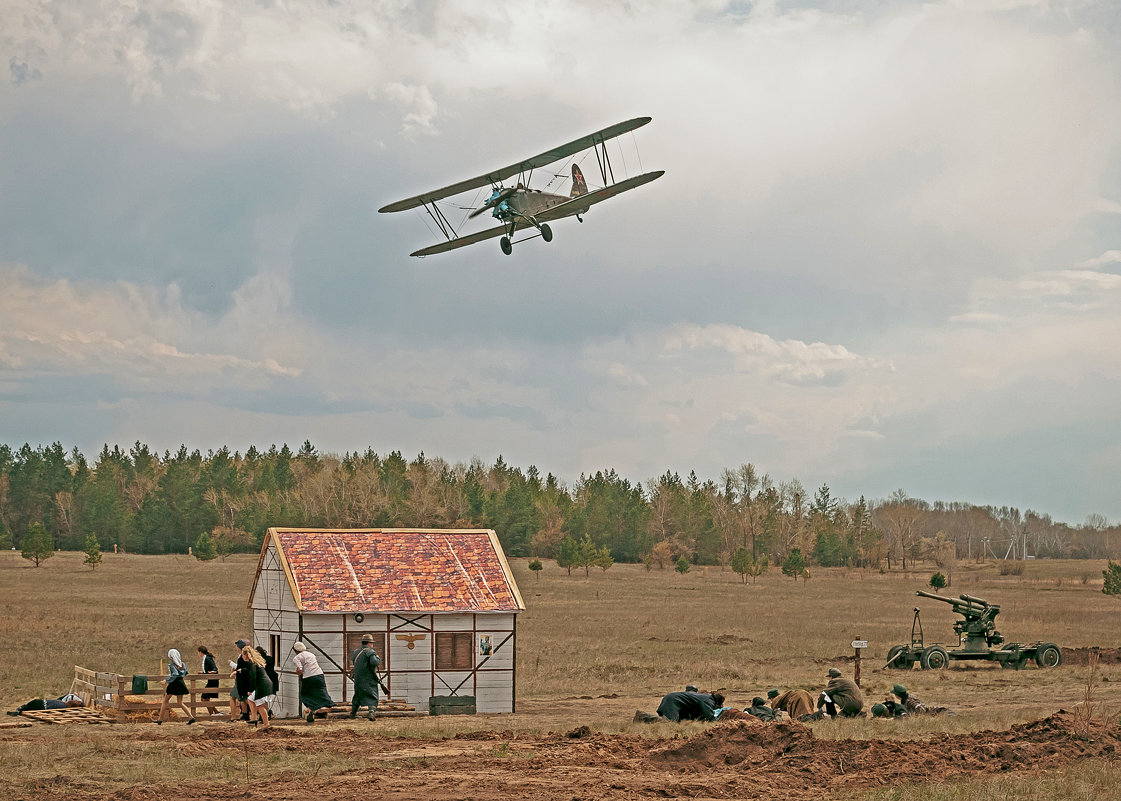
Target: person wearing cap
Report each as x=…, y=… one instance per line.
x=313, y=685
x=365, y=677
x=841, y=696
x=913, y=705
x=793, y=702
x=888, y=709
x=760, y=709
x=243, y=685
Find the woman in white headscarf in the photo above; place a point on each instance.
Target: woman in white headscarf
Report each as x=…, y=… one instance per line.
x=176, y=687
x=313, y=685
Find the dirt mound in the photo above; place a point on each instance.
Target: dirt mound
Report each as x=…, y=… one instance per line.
x=1081, y=656
x=791, y=752
x=736, y=743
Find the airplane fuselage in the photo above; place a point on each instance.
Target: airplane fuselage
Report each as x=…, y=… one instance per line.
x=525, y=204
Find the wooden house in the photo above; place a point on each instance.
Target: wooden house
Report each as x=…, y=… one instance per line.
x=442, y=606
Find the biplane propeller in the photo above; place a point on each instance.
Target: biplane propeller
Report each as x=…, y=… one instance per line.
x=520, y=208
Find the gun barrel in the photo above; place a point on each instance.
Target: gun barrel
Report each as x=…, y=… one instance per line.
x=941, y=598
x=974, y=599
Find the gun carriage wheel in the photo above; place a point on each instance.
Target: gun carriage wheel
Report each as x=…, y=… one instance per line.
x=899, y=659
x=1048, y=655
x=934, y=658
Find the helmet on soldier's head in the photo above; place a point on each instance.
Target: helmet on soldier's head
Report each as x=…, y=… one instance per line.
x=834, y=673
x=899, y=690
x=879, y=711
x=772, y=693
x=758, y=701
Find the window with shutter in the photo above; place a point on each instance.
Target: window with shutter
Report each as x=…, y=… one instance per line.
x=453, y=650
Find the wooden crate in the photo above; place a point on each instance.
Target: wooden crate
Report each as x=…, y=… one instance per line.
x=451, y=705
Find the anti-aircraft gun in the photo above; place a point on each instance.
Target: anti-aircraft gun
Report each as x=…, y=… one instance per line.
x=978, y=639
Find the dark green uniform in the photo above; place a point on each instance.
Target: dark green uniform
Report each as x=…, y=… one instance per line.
x=365, y=682
x=760, y=710
x=845, y=694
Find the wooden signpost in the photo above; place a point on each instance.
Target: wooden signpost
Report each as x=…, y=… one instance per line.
x=857, y=646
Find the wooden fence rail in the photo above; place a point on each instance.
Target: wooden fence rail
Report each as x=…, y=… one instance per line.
x=113, y=691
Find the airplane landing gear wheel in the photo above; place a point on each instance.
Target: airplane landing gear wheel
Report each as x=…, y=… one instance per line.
x=546, y=233
x=504, y=243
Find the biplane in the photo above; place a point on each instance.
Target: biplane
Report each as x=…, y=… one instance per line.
x=520, y=208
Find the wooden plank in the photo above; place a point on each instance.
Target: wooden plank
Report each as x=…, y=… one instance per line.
x=16, y=724
x=62, y=716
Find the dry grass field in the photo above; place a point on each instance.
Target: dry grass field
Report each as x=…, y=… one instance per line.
x=591, y=651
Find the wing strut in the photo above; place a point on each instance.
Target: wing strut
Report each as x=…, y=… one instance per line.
x=441, y=221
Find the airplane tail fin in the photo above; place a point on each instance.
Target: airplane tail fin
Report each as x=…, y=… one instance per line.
x=579, y=185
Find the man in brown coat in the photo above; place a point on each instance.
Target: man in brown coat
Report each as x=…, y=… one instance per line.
x=795, y=703
x=841, y=696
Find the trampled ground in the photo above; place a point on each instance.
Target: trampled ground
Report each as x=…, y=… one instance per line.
x=729, y=760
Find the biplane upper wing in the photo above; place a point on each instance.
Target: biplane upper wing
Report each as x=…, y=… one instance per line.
x=452, y=244
x=540, y=160
x=581, y=202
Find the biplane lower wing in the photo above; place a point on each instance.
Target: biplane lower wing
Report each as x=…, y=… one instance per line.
x=462, y=241
x=569, y=208
x=578, y=204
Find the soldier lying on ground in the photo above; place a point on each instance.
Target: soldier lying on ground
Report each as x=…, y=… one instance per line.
x=889, y=709
x=760, y=709
x=689, y=705
x=914, y=706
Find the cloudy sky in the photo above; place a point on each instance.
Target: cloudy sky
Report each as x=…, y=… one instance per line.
x=886, y=252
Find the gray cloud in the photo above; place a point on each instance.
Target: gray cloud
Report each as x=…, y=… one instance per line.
x=882, y=227
x=22, y=72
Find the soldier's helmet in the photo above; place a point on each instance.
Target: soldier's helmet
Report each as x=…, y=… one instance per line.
x=879, y=711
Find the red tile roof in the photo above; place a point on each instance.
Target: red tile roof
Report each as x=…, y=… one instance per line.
x=394, y=570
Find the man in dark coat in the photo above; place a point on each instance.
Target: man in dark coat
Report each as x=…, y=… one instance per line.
x=690, y=706
x=39, y=704
x=841, y=696
x=760, y=709
x=365, y=679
